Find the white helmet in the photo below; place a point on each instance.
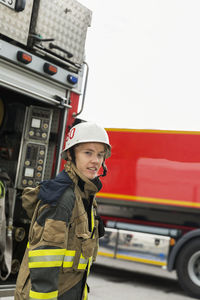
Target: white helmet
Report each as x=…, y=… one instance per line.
x=86, y=132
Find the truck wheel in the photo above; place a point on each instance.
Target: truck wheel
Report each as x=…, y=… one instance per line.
x=188, y=268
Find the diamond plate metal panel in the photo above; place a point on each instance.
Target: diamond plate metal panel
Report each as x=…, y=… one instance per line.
x=15, y=25
x=66, y=21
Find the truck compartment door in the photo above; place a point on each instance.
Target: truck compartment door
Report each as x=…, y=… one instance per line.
x=15, y=24
x=135, y=246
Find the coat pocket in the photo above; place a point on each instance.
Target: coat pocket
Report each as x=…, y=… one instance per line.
x=78, y=253
x=88, y=247
x=55, y=231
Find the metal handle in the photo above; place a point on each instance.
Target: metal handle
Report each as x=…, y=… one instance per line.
x=38, y=37
x=42, y=97
x=84, y=91
x=53, y=46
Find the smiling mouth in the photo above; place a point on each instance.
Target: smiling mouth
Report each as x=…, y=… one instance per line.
x=92, y=169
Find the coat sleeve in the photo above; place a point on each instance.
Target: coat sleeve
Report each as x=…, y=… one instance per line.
x=47, y=246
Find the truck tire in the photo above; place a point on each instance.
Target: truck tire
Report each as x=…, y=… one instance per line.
x=188, y=268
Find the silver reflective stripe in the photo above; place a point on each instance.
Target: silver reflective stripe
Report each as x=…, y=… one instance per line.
x=82, y=262
x=46, y=258
x=69, y=258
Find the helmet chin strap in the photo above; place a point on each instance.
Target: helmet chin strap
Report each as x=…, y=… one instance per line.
x=105, y=170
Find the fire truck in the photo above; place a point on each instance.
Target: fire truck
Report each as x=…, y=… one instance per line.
x=150, y=201
x=43, y=77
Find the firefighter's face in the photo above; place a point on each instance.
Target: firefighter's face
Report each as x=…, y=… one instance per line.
x=89, y=158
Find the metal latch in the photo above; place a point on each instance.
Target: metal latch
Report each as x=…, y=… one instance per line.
x=20, y=5
x=64, y=102
x=17, y=5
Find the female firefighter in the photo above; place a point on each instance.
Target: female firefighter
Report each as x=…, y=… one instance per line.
x=64, y=231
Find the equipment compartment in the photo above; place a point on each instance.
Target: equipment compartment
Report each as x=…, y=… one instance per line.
x=60, y=27
x=15, y=25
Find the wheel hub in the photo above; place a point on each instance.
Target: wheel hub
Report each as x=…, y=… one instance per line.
x=194, y=268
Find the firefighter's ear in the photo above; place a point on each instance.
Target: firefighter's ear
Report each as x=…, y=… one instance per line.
x=69, y=157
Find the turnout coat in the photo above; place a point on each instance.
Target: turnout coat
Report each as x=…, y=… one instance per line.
x=63, y=238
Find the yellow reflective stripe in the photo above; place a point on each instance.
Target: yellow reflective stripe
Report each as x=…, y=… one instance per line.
x=70, y=253
x=82, y=266
x=68, y=264
x=69, y=258
x=49, y=296
x=89, y=265
x=85, y=293
x=46, y=258
x=45, y=264
x=92, y=218
x=2, y=189
x=44, y=252
x=82, y=262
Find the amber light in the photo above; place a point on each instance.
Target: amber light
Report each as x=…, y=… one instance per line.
x=172, y=242
x=50, y=69
x=24, y=57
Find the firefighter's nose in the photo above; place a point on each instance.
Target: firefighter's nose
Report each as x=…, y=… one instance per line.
x=95, y=159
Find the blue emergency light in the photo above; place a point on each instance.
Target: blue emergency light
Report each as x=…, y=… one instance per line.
x=72, y=79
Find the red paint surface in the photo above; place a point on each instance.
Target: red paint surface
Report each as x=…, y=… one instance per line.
x=154, y=164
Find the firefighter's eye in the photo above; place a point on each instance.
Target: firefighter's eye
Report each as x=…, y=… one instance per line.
x=88, y=152
x=101, y=155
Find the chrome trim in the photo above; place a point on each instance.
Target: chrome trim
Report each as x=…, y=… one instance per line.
x=84, y=91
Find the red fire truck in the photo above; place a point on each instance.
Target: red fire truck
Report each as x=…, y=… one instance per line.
x=150, y=201
x=42, y=77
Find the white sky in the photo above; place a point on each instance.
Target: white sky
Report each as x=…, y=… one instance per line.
x=144, y=59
